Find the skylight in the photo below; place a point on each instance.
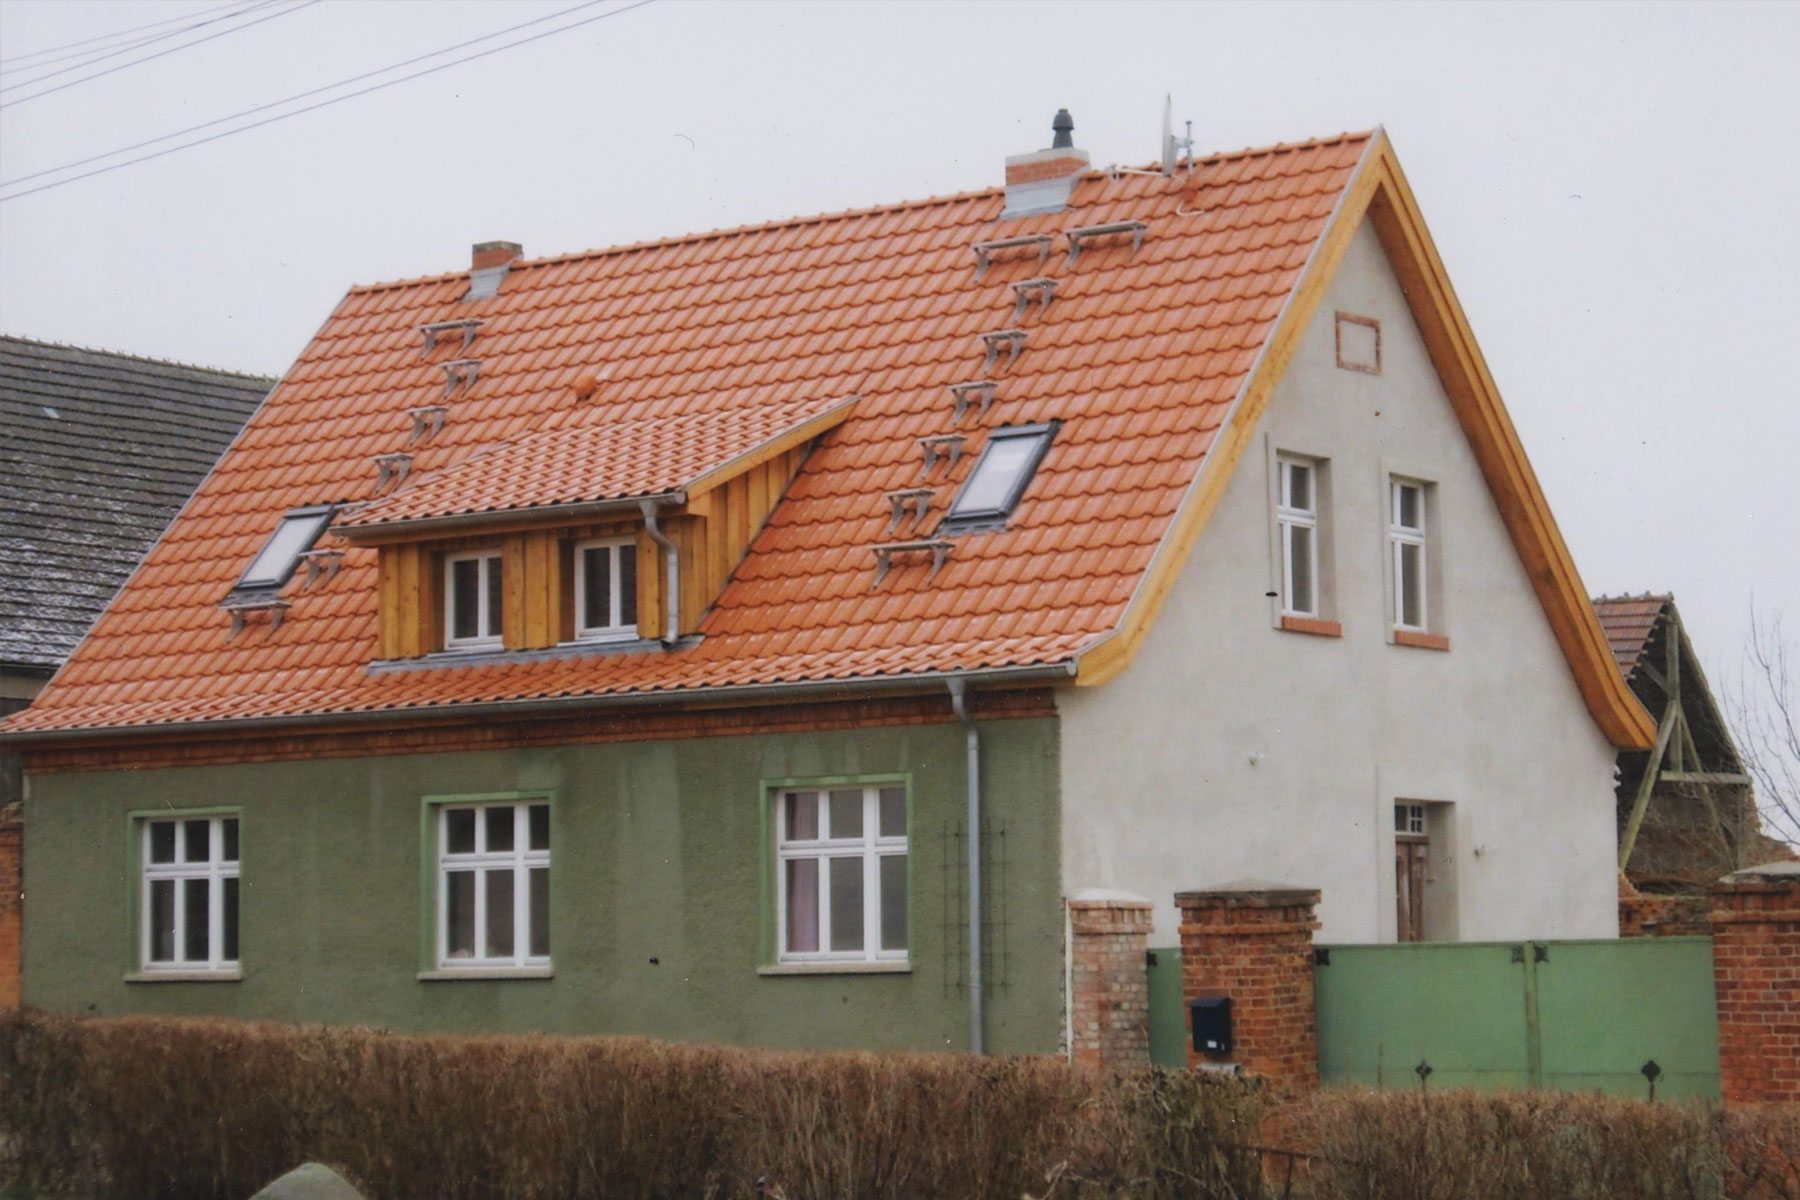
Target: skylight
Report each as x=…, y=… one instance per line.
x=292, y=538
x=1006, y=466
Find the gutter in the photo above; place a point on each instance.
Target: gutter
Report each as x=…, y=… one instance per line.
x=996, y=677
x=671, y=575
x=376, y=532
x=958, y=696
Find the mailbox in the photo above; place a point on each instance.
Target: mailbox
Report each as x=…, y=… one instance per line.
x=1212, y=1024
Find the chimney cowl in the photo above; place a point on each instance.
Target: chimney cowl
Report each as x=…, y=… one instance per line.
x=1041, y=182
x=488, y=264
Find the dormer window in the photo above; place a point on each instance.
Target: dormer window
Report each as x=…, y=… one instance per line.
x=1007, y=463
x=298, y=530
x=472, y=600
x=606, y=589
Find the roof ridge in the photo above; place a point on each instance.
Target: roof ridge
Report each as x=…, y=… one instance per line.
x=18, y=339
x=794, y=222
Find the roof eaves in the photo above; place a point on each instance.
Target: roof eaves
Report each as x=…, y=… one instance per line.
x=412, y=528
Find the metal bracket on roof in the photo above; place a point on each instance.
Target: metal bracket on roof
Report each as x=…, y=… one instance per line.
x=467, y=326
x=460, y=370
x=943, y=445
x=917, y=499
x=427, y=422
x=938, y=548
x=241, y=607
x=967, y=393
x=321, y=566
x=1013, y=340
x=1136, y=229
x=985, y=251
x=1043, y=290
x=391, y=469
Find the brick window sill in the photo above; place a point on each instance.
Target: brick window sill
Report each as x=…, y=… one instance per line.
x=1313, y=626
x=1421, y=641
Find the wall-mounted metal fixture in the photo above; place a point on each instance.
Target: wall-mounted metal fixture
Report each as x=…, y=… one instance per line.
x=941, y=446
x=914, y=500
x=1027, y=290
x=985, y=251
x=1010, y=340
x=964, y=394
x=1211, y=1018
x=467, y=326
x=464, y=371
x=427, y=422
x=391, y=470
x=321, y=566
x=885, y=553
x=241, y=607
x=1088, y=234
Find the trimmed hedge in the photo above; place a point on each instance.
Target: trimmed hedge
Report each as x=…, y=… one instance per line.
x=151, y=1108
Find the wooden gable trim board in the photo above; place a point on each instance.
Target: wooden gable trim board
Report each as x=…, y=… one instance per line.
x=1379, y=191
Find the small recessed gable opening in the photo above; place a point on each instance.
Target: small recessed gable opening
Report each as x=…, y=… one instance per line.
x=1001, y=475
x=298, y=530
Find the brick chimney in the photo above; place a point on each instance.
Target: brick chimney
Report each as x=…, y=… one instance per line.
x=488, y=264
x=1040, y=182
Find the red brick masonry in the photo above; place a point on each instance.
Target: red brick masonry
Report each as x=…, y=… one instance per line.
x=1756, y=972
x=1253, y=943
x=1109, y=991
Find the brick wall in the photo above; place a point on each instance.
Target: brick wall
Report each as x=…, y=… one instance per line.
x=12, y=895
x=1253, y=943
x=1662, y=916
x=1109, y=988
x=1755, y=919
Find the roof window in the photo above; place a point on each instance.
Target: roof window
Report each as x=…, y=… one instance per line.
x=298, y=530
x=1006, y=466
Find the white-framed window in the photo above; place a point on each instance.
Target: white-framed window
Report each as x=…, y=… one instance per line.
x=606, y=589
x=841, y=877
x=1297, y=521
x=1406, y=547
x=493, y=884
x=189, y=902
x=473, y=605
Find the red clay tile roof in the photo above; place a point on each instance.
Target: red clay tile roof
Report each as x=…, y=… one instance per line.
x=1140, y=355
x=1627, y=622
x=596, y=453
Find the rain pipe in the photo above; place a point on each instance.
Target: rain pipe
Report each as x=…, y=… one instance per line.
x=958, y=702
x=671, y=575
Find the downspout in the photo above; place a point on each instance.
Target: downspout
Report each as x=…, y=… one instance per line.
x=671, y=574
x=958, y=696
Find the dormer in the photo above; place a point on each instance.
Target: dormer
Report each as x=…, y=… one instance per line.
x=606, y=532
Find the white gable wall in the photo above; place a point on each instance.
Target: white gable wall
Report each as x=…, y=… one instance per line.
x=1231, y=749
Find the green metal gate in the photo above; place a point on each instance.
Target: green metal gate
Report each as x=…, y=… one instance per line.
x=1578, y=1015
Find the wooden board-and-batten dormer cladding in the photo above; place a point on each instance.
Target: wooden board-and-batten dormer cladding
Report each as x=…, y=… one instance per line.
x=711, y=533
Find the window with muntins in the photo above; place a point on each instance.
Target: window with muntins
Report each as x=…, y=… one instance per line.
x=1407, y=544
x=606, y=589
x=493, y=885
x=473, y=605
x=841, y=874
x=275, y=562
x=189, y=904
x=1001, y=474
x=1297, y=519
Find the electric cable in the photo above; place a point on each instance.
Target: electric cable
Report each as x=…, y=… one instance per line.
x=325, y=103
x=108, y=37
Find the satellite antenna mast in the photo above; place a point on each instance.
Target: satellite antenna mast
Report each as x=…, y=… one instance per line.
x=1174, y=147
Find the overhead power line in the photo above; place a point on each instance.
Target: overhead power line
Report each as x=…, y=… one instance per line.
x=225, y=133
x=330, y=87
x=108, y=37
x=136, y=61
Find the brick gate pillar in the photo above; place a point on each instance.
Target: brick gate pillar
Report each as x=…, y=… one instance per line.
x=1755, y=917
x=1109, y=987
x=1253, y=942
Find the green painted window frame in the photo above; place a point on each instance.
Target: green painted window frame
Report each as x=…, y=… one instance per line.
x=136, y=820
x=768, y=952
x=430, y=970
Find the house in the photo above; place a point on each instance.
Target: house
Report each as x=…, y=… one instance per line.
x=756, y=636
x=1686, y=806
x=97, y=452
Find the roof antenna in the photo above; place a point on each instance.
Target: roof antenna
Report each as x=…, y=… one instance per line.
x=1064, y=129
x=1175, y=148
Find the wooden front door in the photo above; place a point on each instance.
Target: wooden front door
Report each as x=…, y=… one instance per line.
x=1409, y=886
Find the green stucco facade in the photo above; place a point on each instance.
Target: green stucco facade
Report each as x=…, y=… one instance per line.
x=660, y=907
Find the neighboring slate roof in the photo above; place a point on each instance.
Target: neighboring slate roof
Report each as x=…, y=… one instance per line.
x=1627, y=622
x=97, y=452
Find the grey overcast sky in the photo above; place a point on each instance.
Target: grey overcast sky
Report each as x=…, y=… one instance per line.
x=1614, y=188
